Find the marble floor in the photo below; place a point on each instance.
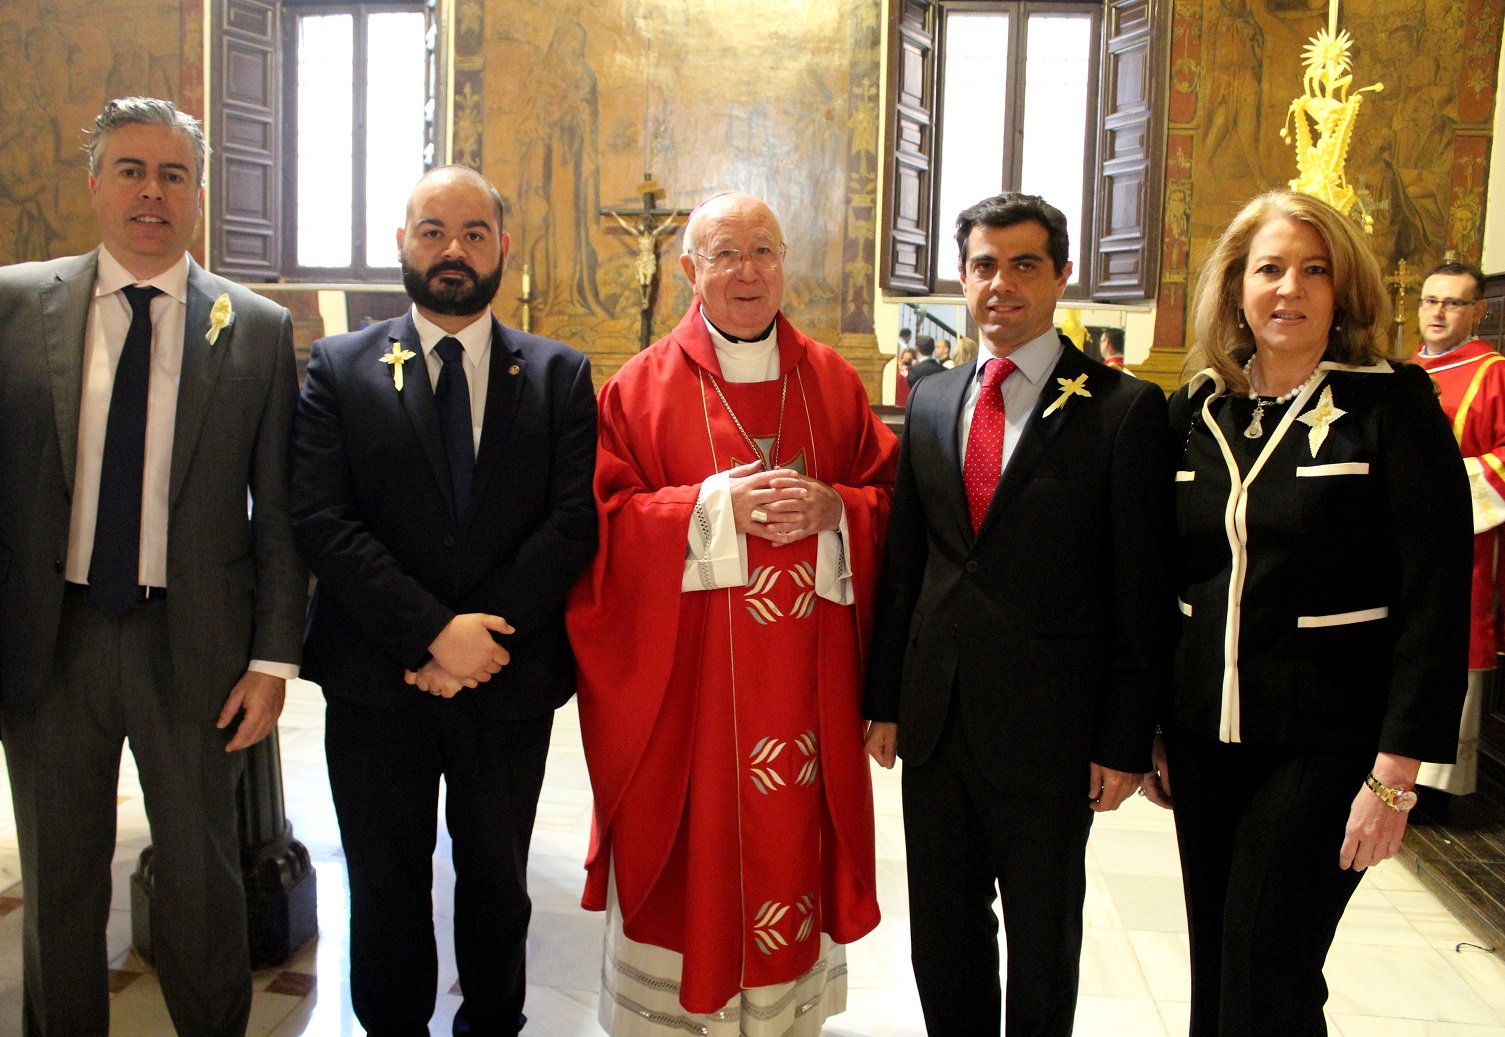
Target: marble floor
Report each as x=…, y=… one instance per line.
x=1401, y=967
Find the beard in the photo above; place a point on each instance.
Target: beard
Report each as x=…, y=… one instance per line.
x=460, y=300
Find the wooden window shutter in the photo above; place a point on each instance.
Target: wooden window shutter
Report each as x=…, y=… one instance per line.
x=246, y=136
x=1131, y=133
x=909, y=201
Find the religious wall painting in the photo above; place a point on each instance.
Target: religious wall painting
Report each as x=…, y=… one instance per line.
x=1420, y=147
x=860, y=236
x=62, y=60
x=468, y=119
x=1481, y=60
x=1186, y=53
x=1466, y=214
x=1175, y=253
x=470, y=25
x=581, y=96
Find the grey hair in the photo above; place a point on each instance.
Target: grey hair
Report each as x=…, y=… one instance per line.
x=696, y=221
x=147, y=111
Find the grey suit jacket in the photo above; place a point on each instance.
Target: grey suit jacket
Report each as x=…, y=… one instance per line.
x=237, y=589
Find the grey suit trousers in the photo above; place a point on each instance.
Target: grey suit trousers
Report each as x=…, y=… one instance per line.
x=112, y=681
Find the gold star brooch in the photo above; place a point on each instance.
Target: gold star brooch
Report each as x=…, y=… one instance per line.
x=1320, y=418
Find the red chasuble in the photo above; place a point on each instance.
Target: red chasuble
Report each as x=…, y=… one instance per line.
x=723, y=728
x=1470, y=383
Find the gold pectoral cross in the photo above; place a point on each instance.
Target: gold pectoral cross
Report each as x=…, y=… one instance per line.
x=765, y=454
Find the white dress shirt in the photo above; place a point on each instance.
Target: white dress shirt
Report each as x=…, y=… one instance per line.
x=725, y=556
x=104, y=340
x=1036, y=359
x=475, y=337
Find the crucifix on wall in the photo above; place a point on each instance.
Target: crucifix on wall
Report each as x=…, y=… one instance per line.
x=648, y=225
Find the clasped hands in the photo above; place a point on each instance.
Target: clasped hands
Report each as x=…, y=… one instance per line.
x=464, y=655
x=781, y=506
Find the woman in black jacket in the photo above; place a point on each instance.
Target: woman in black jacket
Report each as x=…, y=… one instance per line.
x=1325, y=540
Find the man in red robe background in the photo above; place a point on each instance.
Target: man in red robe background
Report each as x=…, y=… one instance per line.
x=743, y=485
x=1470, y=380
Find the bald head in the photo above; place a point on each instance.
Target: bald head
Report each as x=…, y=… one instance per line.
x=734, y=257
x=456, y=174
x=730, y=206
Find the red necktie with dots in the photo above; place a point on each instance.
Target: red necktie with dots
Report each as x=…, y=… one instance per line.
x=984, y=463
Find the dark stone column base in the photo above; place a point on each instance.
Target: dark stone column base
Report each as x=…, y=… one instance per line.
x=280, y=882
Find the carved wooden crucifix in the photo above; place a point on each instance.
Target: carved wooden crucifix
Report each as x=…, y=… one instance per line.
x=647, y=225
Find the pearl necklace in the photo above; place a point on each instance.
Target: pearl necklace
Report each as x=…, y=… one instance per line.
x=1256, y=427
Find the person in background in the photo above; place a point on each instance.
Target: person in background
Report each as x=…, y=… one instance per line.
x=1470, y=379
x=966, y=351
x=1324, y=586
x=927, y=365
x=943, y=352
x=1111, y=345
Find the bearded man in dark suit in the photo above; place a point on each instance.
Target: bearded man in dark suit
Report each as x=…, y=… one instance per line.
x=442, y=496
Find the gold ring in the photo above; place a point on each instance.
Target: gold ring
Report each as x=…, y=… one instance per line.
x=759, y=515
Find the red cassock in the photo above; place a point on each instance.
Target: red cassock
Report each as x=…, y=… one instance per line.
x=1471, y=388
x=723, y=729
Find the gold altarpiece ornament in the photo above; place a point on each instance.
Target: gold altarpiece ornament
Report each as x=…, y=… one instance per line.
x=1324, y=117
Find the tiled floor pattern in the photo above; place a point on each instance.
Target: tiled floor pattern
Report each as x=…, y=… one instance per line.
x=1402, y=966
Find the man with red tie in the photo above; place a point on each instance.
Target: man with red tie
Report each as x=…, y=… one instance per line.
x=1022, y=630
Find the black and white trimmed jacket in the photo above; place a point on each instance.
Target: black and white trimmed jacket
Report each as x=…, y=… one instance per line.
x=1324, y=570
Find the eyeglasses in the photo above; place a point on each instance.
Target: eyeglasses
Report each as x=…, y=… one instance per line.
x=764, y=257
x=1451, y=305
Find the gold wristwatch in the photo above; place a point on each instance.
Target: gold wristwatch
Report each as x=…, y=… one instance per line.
x=1395, y=799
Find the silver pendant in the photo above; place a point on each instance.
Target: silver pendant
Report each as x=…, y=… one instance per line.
x=1256, y=427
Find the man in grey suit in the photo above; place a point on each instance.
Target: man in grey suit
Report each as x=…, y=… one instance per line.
x=142, y=400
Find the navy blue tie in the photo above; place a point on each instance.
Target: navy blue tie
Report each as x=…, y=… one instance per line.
x=452, y=394
x=114, y=566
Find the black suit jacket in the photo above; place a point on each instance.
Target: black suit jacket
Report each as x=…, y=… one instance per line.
x=374, y=515
x=1050, y=627
x=1352, y=586
x=923, y=369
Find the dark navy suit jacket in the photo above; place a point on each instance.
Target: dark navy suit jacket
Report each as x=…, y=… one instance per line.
x=374, y=515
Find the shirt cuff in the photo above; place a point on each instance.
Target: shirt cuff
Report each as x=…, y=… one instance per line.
x=833, y=567
x=287, y=671
x=715, y=554
x=1489, y=507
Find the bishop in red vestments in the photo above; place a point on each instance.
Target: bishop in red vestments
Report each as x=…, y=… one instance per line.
x=743, y=489
x=1470, y=379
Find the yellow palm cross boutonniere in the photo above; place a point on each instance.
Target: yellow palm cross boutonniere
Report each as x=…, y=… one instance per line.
x=1069, y=387
x=221, y=316
x=397, y=356
x=1320, y=417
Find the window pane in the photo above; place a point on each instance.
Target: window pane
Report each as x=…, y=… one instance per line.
x=1056, y=74
x=975, y=109
x=326, y=138
x=396, y=63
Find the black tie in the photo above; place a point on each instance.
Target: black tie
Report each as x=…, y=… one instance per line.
x=114, y=580
x=452, y=394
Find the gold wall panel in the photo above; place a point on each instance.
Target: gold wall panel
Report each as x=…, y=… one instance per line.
x=60, y=60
